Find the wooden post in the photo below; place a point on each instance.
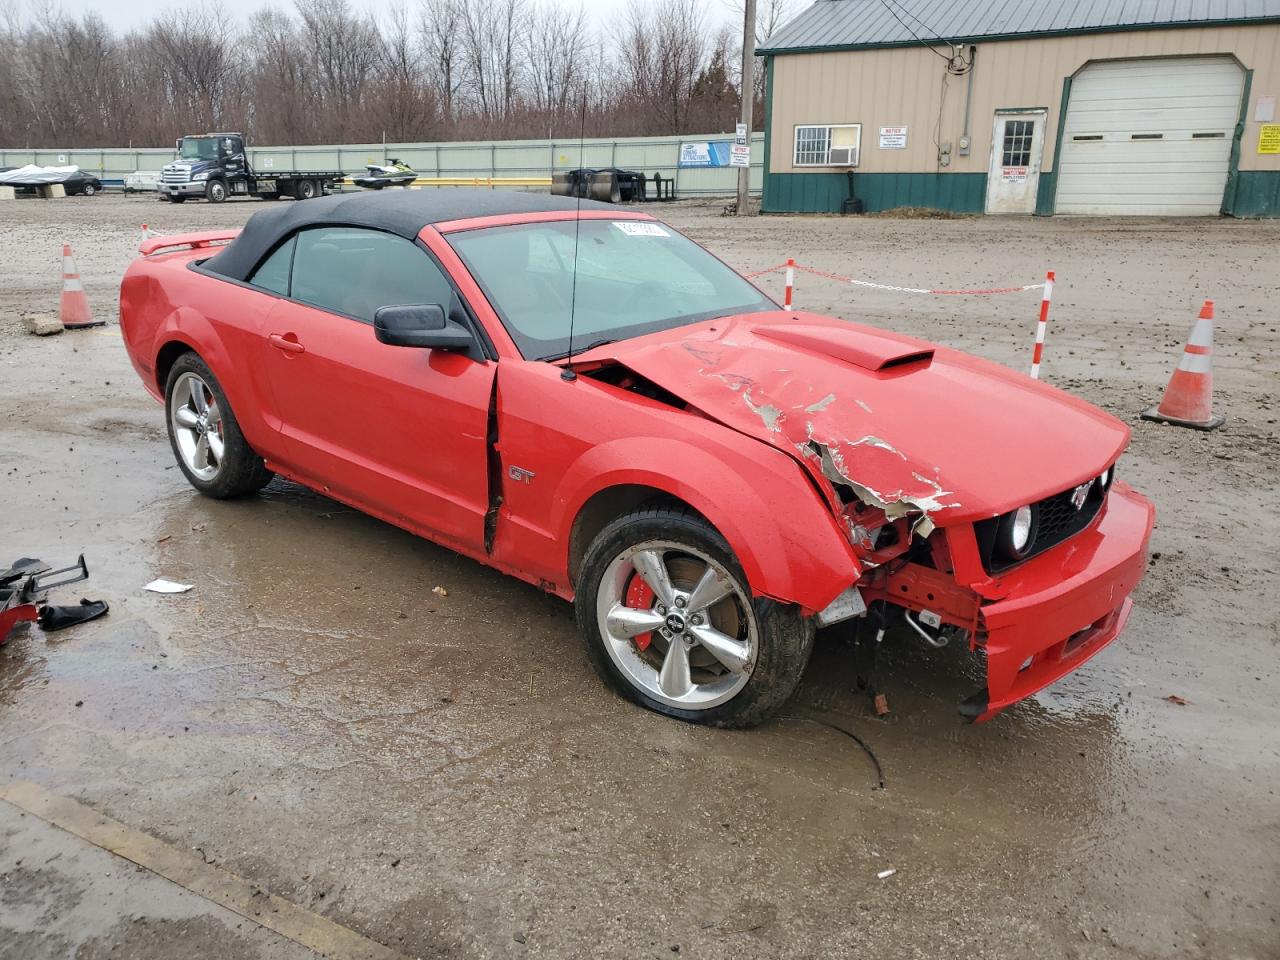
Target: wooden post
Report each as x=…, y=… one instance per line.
x=748, y=99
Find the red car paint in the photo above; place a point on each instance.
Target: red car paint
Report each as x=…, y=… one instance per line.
x=783, y=415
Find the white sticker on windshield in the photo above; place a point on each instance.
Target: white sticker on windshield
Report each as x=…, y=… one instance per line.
x=640, y=228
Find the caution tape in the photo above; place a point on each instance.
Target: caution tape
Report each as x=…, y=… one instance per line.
x=760, y=273
x=839, y=278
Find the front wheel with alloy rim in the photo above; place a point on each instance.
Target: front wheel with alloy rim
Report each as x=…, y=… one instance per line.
x=215, y=191
x=206, y=439
x=669, y=621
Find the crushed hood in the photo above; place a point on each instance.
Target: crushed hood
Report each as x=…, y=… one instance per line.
x=914, y=428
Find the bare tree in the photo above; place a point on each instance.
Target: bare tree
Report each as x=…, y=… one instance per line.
x=490, y=48
x=440, y=33
x=280, y=79
x=326, y=71
x=402, y=102
x=661, y=49
x=200, y=53
x=555, y=47
x=343, y=53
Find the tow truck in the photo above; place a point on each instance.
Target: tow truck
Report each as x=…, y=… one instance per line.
x=216, y=166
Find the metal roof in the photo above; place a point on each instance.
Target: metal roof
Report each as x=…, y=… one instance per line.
x=884, y=23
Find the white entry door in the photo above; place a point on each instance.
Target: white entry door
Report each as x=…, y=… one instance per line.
x=1017, y=147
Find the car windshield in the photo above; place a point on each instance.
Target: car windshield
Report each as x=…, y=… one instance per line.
x=199, y=148
x=633, y=277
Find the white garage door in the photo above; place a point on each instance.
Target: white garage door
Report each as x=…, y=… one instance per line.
x=1149, y=137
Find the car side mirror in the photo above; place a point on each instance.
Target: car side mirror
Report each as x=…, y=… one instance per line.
x=421, y=325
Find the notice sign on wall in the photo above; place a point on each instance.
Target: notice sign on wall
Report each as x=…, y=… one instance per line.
x=893, y=138
x=1269, y=138
x=1013, y=174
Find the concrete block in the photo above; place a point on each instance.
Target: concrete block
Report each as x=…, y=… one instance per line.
x=52, y=191
x=42, y=324
x=7, y=193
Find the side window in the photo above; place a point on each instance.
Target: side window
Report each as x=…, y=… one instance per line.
x=273, y=273
x=354, y=272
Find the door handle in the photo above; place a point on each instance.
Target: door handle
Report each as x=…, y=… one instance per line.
x=288, y=343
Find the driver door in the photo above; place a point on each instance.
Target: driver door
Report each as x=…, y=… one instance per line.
x=400, y=432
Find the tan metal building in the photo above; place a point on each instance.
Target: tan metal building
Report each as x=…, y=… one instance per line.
x=1026, y=106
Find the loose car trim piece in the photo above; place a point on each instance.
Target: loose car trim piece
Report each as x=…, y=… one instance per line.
x=720, y=477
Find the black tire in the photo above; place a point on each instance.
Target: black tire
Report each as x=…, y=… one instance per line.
x=785, y=637
x=241, y=471
x=89, y=190
x=215, y=191
x=305, y=190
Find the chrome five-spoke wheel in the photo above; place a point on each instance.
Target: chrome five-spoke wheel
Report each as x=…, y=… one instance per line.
x=677, y=624
x=197, y=426
x=669, y=619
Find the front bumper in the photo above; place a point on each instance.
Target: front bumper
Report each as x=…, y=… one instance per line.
x=1060, y=609
x=194, y=188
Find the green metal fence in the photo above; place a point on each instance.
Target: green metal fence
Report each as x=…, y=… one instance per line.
x=499, y=158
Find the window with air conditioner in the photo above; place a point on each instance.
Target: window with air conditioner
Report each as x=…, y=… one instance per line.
x=834, y=145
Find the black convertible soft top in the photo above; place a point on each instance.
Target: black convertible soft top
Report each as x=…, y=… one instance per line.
x=402, y=212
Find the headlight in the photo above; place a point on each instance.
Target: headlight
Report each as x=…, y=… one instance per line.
x=1107, y=475
x=1016, y=533
x=202, y=175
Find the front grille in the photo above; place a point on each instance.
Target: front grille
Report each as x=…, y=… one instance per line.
x=1059, y=520
x=175, y=176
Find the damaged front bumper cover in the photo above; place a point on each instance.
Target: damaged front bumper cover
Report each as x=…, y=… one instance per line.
x=1063, y=607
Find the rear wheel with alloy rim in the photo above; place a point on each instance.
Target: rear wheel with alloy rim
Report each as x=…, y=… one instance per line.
x=205, y=436
x=669, y=620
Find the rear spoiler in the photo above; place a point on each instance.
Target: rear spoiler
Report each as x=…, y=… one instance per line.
x=192, y=241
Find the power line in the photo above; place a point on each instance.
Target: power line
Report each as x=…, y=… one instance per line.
x=907, y=27
x=928, y=45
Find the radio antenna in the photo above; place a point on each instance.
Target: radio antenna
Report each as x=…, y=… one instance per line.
x=579, y=185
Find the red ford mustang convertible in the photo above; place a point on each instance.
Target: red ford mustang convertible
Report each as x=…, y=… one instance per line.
x=581, y=397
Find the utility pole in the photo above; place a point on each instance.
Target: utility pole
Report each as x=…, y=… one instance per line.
x=748, y=99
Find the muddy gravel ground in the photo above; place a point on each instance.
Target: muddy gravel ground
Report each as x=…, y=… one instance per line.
x=446, y=776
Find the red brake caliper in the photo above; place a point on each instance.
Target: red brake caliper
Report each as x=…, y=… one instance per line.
x=640, y=597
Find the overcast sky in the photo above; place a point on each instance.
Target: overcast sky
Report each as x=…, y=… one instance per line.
x=125, y=15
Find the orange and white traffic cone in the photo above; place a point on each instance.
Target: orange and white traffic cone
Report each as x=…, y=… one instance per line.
x=75, y=306
x=1188, y=400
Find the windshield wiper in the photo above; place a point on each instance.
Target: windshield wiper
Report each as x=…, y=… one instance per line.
x=577, y=350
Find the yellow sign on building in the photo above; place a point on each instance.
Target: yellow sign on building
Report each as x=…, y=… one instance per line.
x=1269, y=138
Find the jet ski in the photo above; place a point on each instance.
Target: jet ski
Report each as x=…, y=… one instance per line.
x=395, y=173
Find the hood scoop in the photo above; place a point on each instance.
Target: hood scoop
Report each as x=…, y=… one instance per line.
x=874, y=351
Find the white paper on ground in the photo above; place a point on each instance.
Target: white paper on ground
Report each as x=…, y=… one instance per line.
x=167, y=586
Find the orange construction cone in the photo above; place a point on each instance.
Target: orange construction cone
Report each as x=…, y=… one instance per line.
x=75, y=307
x=1188, y=400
